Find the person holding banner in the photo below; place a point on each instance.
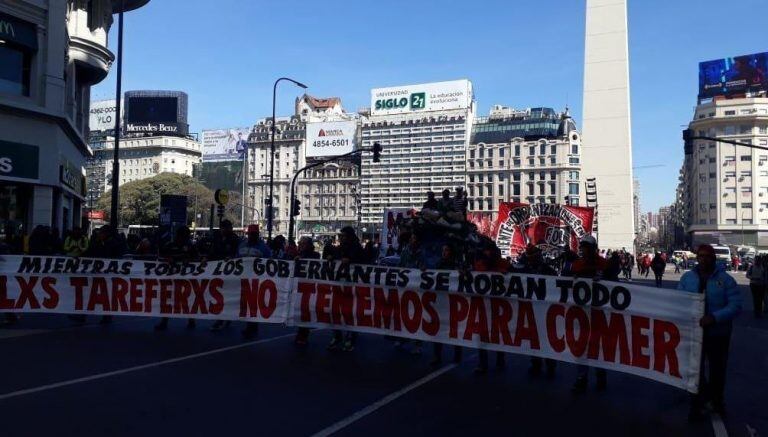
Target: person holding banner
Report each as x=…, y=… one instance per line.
x=490, y=260
x=349, y=251
x=535, y=265
x=306, y=250
x=253, y=246
x=448, y=261
x=722, y=304
x=178, y=250
x=589, y=265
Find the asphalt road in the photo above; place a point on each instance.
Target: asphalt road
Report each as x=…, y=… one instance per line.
x=125, y=379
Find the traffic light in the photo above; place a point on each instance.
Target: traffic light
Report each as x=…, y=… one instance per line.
x=295, y=207
x=220, y=211
x=376, y=152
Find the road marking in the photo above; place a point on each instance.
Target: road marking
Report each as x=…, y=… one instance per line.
x=338, y=426
x=718, y=426
x=137, y=368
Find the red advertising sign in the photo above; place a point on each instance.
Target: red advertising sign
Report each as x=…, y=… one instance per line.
x=96, y=215
x=551, y=227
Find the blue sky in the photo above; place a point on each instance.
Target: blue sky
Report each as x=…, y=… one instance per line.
x=522, y=53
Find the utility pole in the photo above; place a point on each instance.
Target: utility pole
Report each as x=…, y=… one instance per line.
x=113, y=214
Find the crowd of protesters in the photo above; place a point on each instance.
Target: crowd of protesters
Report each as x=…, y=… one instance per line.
x=436, y=237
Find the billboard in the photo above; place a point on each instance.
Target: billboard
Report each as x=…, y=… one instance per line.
x=220, y=174
x=225, y=144
x=737, y=75
x=156, y=112
x=330, y=138
x=550, y=227
x=436, y=96
x=102, y=116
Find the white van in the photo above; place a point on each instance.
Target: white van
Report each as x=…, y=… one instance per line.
x=723, y=255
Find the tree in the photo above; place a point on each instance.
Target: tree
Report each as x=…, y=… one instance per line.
x=140, y=200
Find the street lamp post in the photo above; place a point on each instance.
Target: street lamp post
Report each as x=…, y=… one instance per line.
x=272, y=158
x=113, y=215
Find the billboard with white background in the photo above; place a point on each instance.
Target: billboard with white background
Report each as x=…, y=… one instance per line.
x=330, y=138
x=225, y=144
x=436, y=96
x=102, y=115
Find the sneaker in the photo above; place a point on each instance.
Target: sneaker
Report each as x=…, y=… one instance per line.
x=580, y=386
x=348, y=346
x=333, y=345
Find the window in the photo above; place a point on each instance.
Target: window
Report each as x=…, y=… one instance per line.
x=573, y=189
x=501, y=153
x=542, y=149
x=730, y=130
x=745, y=130
x=541, y=189
x=516, y=189
x=553, y=175
x=746, y=157
x=14, y=70
x=531, y=162
x=573, y=160
x=532, y=150
x=574, y=149
x=553, y=149
x=730, y=205
x=516, y=176
x=471, y=153
x=747, y=205
x=501, y=189
x=573, y=175
x=517, y=150
x=712, y=160
x=730, y=112
x=552, y=188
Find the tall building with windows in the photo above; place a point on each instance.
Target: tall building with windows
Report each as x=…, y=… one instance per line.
x=424, y=131
x=727, y=185
x=326, y=192
x=529, y=156
x=51, y=54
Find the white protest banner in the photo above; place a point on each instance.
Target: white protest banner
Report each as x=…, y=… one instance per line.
x=649, y=332
x=249, y=289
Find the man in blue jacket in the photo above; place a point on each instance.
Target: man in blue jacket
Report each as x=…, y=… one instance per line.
x=722, y=305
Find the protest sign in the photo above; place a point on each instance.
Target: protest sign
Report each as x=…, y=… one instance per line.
x=551, y=227
x=249, y=289
x=649, y=332
x=645, y=331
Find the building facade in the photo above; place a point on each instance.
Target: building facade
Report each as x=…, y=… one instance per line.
x=143, y=157
x=52, y=53
x=726, y=186
x=329, y=193
x=529, y=156
x=424, y=131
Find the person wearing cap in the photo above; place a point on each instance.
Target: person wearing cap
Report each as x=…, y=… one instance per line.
x=589, y=265
x=722, y=303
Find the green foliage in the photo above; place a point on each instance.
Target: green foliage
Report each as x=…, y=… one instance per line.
x=140, y=200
